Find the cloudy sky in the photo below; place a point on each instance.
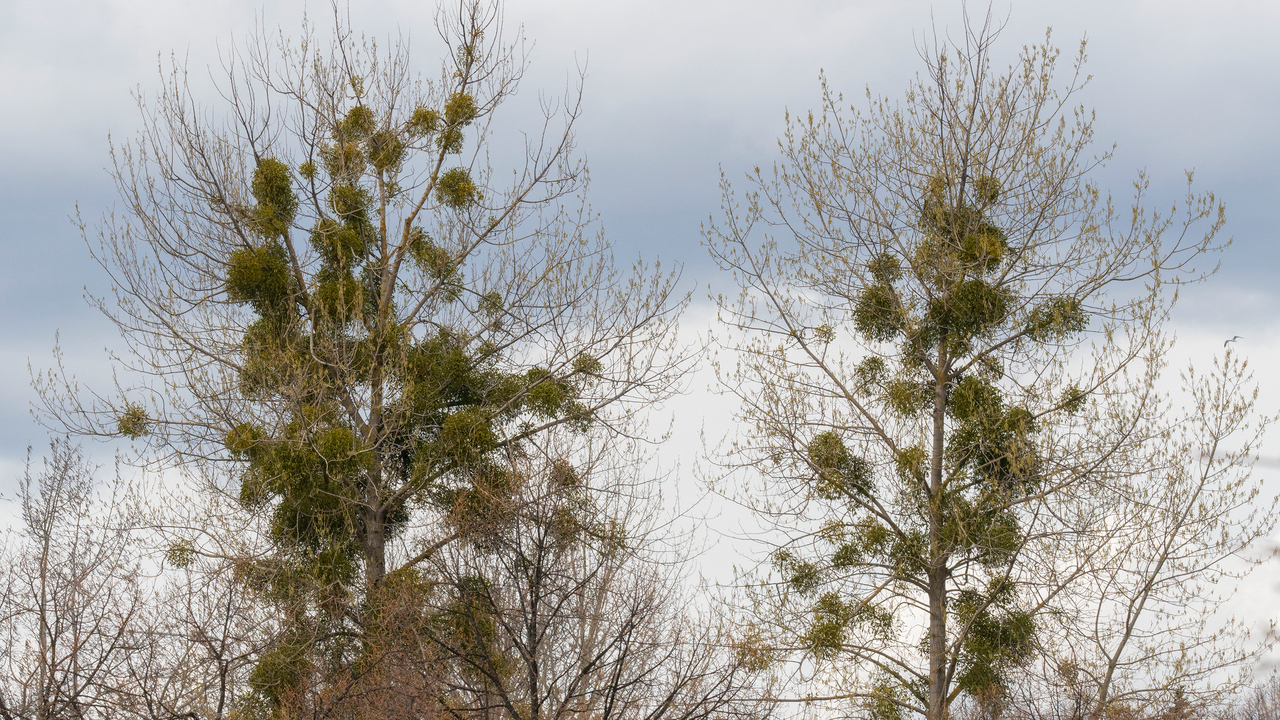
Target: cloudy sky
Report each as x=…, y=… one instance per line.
x=675, y=91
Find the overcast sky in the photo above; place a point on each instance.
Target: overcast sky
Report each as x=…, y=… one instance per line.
x=675, y=91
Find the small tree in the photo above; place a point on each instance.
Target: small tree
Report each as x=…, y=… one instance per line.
x=71, y=596
x=346, y=319
x=197, y=640
x=575, y=605
x=91, y=630
x=921, y=395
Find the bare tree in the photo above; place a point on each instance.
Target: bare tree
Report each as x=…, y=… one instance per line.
x=72, y=594
x=1262, y=703
x=196, y=643
x=575, y=604
x=92, y=628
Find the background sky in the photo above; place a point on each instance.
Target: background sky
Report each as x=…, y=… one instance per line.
x=675, y=92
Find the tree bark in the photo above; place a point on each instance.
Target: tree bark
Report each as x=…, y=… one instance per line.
x=375, y=535
x=937, y=572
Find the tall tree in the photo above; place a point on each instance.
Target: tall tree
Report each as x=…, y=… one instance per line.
x=339, y=313
x=945, y=332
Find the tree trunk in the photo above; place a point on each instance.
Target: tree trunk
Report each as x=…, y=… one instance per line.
x=375, y=537
x=937, y=644
x=937, y=573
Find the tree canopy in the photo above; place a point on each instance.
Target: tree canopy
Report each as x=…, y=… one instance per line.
x=947, y=340
x=345, y=320
x=403, y=381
